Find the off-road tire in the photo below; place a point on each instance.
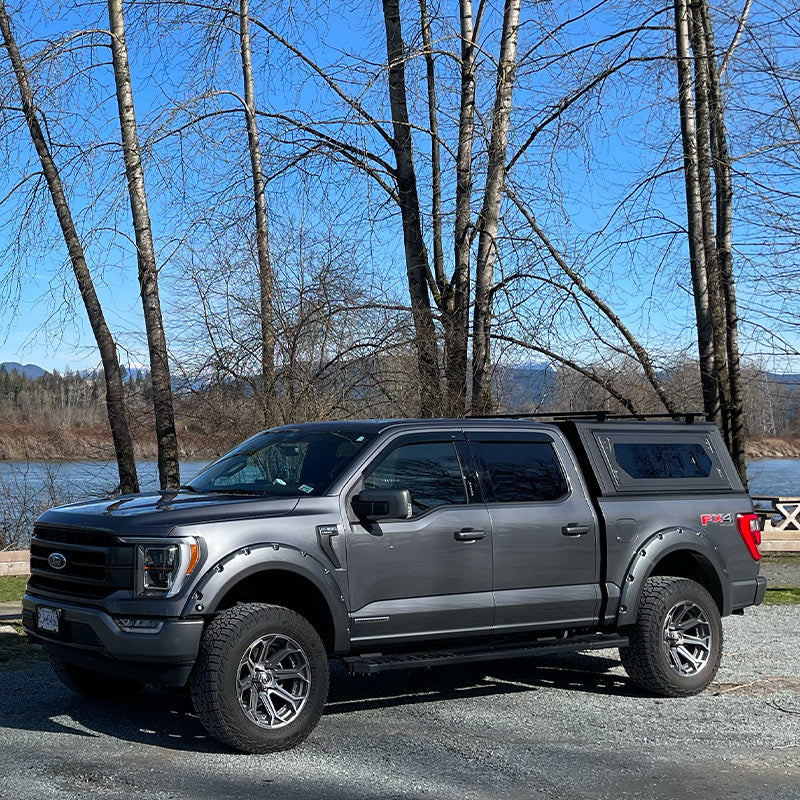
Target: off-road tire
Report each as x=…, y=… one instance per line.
x=213, y=681
x=96, y=685
x=645, y=659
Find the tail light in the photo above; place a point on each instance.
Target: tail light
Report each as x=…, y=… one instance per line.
x=750, y=533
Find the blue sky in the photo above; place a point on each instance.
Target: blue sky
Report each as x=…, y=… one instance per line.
x=590, y=169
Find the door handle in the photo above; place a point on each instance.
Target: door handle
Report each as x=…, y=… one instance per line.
x=469, y=535
x=574, y=529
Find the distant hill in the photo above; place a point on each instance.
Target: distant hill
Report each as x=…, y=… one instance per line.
x=28, y=370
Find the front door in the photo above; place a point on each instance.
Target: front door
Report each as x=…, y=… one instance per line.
x=544, y=532
x=430, y=575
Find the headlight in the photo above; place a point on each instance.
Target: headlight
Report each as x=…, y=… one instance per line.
x=163, y=568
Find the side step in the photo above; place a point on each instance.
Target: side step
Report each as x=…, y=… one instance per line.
x=371, y=663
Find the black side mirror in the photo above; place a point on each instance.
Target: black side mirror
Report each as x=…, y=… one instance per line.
x=382, y=504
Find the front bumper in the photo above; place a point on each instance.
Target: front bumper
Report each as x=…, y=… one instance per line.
x=90, y=638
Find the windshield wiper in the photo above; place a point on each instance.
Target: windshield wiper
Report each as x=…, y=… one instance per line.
x=236, y=490
x=188, y=488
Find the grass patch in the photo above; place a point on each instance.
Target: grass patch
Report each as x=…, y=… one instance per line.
x=791, y=559
x=782, y=597
x=12, y=588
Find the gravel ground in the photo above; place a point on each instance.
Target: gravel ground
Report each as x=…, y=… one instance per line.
x=569, y=727
x=781, y=572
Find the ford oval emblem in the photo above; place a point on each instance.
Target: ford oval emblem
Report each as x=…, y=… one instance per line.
x=57, y=560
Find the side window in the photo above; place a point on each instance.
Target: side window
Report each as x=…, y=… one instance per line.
x=663, y=460
x=429, y=470
x=523, y=472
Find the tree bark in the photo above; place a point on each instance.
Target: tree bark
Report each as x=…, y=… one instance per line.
x=168, y=467
x=721, y=163
x=697, y=264
x=265, y=278
x=417, y=266
x=488, y=222
x=716, y=304
x=455, y=314
x=115, y=393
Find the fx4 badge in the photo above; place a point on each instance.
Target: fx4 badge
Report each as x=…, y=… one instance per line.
x=716, y=519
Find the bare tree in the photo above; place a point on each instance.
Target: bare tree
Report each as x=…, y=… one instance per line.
x=168, y=466
x=417, y=265
x=490, y=213
x=265, y=278
x=115, y=394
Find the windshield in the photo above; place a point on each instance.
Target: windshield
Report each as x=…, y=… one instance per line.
x=286, y=463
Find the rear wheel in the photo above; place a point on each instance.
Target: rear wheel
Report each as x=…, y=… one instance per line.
x=261, y=679
x=676, y=643
x=97, y=685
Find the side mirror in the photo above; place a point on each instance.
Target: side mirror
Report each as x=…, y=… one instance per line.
x=382, y=504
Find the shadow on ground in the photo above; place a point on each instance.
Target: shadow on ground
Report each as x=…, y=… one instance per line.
x=165, y=718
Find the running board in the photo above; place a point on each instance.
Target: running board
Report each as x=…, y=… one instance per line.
x=371, y=663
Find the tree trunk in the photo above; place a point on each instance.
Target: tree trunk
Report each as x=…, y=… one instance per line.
x=168, y=467
x=115, y=393
x=697, y=263
x=721, y=163
x=716, y=304
x=268, y=396
x=488, y=222
x=456, y=316
x=417, y=267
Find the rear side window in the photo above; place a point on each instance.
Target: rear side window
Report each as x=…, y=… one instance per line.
x=522, y=472
x=663, y=460
x=429, y=470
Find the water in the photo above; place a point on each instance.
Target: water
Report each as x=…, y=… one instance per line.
x=775, y=477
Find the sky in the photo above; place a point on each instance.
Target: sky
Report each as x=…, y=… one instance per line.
x=581, y=185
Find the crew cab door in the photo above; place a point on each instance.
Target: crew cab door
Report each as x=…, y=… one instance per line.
x=544, y=531
x=428, y=576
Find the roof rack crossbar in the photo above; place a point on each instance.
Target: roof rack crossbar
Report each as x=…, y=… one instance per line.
x=601, y=415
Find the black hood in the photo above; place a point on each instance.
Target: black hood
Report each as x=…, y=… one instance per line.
x=157, y=513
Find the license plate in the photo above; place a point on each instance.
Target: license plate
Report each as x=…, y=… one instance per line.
x=47, y=619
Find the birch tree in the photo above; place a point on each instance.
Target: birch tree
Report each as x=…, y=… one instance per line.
x=168, y=466
x=112, y=374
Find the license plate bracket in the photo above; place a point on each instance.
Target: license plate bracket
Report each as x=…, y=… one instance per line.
x=48, y=619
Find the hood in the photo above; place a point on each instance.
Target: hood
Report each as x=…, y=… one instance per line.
x=157, y=513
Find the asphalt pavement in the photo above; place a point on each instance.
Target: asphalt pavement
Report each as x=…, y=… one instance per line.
x=568, y=727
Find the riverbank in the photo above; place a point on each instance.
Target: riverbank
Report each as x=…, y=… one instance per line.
x=773, y=447
x=92, y=443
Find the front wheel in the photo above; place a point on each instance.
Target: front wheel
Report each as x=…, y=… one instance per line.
x=261, y=678
x=675, y=646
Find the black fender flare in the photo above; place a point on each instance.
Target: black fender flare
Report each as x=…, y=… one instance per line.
x=651, y=551
x=246, y=561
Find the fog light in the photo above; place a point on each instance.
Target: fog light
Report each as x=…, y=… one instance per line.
x=139, y=624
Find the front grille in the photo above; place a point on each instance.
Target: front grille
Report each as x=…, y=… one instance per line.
x=97, y=563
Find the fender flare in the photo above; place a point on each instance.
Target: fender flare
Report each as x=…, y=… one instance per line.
x=651, y=551
x=218, y=580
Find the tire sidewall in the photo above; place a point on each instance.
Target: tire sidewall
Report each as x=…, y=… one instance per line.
x=682, y=591
x=265, y=621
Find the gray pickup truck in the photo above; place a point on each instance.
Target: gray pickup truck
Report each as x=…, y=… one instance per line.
x=392, y=544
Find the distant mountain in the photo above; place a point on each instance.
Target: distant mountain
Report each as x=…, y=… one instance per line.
x=28, y=370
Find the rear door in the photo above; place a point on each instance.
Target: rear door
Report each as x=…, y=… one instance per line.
x=429, y=576
x=544, y=531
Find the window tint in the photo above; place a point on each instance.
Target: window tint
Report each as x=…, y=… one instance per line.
x=523, y=472
x=663, y=459
x=429, y=470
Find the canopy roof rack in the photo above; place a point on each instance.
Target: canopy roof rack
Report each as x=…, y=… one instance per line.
x=688, y=417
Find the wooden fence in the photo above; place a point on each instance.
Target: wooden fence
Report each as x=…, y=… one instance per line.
x=780, y=523
x=14, y=562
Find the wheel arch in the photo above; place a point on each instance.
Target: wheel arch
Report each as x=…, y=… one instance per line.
x=683, y=553
x=279, y=575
